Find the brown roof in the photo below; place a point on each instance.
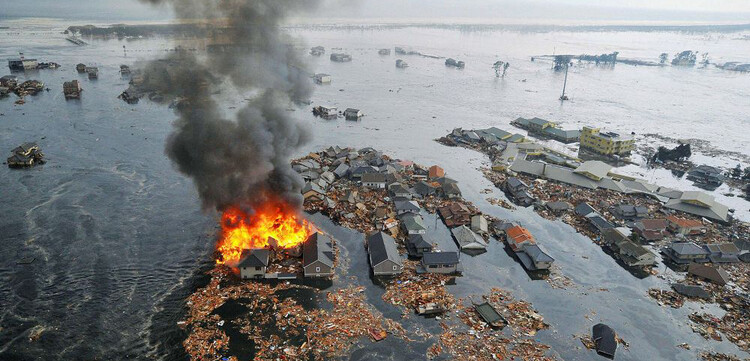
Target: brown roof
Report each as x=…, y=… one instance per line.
x=654, y=224
x=684, y=222
x=715, y=275
x=436, y=172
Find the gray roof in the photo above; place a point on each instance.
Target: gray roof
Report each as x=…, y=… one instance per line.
x=408, y=206
x=317, y=248
x=418, y=241
x=413, y=222
x=594, y=167
x=451, y=188
x=256, y=258
x=312, y=187
x=633, y=249
x=584, y=209
x=688, y=248
x=715, y=211
x=373, y=178
x=691, y=291
x=537, y=254
x=558, y=206
x=382, y=247
x=467, y=239
x=599, y=221
x=514, y=182
x=341, y=170
x=440, y=258
x=538, y=121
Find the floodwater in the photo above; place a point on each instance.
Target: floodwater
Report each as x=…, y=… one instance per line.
x=119, y=239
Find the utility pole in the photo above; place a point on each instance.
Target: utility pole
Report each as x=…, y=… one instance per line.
x=565, y=84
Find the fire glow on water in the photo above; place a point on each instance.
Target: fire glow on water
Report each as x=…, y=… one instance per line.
x=244, y=231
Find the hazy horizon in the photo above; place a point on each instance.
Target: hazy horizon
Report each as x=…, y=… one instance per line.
x=557, y=12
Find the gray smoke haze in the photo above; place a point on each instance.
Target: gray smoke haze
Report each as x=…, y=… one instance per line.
x=244, y=160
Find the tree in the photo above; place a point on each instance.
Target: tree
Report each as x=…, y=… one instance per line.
x=746, y=176
x=501, y=65
x=663, y=58
x=685, y=58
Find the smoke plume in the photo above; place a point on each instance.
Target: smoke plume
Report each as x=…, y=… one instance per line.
x=244, y=160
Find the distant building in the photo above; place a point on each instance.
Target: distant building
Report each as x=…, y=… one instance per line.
x=440, y=262
x=723, y=252
x=699, y=204
x=651, y=229
x=547, y=129
x=706, y=176
x=383, y=254
x=341, y=58
x=317, y=256
x=254, y=264
x=353, y=114
x=401, y=64
x=322, y=78
x=606, y=143
x=629, y=211
x=413, y=223
x=21, y=64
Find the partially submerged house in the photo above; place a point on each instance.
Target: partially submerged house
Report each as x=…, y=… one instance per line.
x=317, y=256
x=699, y=204
x=629, y=212
x=490, y=315
x=417, y=245
x=353, y=114
x=455, y=214
x=401, y=64
x=479, y=224
x=604, y=340
x=72, y=89
x=22, y=63
x=467, y=239
x=684, y=226
x=325, y=112
x=650, y=230
x=517, y=191
x=723, y=252
x=322, y=78
x=557, y=208
x=685, y=253
x=384, y=257
x=413, y=223
x=706, y=176
x=598, y=222
x=254, y=263
x=533, y=258
x=517, y=237
x=440, y=262
x=710, y=273
x=341, y=58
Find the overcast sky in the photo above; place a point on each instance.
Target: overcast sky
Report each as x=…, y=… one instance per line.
x=545, y=11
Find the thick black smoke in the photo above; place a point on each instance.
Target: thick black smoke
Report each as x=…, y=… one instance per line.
x=244, y=160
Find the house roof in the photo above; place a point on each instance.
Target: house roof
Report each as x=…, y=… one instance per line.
x=726, y=248
x=687, y=248
x=691, y=291
x=519, y=234
x=408, y=206
x=489, y=314
x=413, y=222
x=398, y=188
x=659, y=224
x=467, y=239
x=373, y=178
x=312, y=187
x=604, y=339
x=684, y=222
x=418, y=241
x=594, y=169
x=256, y=258
x=584, y=209
x=537, y=254
x=381, y=248
x=351, y=110
x=599, y=221
x=515, y=138
x=514, y=182
x=713, y=274
x=633, y=249
x=440, y=258
x=317, y=248
x=538, y=121
x=558, y=206
x=451, y=188
x=703, y=206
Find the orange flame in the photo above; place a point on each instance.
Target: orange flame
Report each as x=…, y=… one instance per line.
x=242, y=231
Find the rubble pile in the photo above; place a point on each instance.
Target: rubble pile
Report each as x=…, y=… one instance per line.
x=410, y=290
x=482, y=342
x=665, y=297
x=277, y=326
x=714, y=356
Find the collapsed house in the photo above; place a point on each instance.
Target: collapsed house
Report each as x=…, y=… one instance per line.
x=547, y=129
x=325, y=112
x=353, y=114
x=401, y=64
x=450, y=62
x=341, y=58
x=25, y=155
x=322, y=78
x=72, y=89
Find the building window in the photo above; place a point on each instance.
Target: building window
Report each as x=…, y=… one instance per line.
x=395, y=268
x=258, y=268
x=317, y=269
x=433, y=266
